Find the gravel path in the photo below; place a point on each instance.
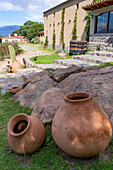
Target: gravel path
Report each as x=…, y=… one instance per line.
x=29, y=52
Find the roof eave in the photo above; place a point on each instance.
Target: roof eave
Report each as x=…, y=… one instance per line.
x=55, y=6
x=97, y=5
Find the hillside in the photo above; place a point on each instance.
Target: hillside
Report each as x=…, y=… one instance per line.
x=8, y=29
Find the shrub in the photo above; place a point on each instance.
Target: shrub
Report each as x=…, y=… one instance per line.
x=4, y=51
x=20, y=50
x=54, y=36
x=62, y=30
x=75, y=29
x=46, y=42
x=35, y=40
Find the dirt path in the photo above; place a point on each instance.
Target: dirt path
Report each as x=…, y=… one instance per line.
x=28, y=52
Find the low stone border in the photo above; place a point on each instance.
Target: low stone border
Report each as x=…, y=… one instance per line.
x=30, y=64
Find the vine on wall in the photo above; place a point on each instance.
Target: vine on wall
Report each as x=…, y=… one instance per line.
x=54, y=36
x=74, y=36
x=62, y=30
x=88, y=24
x=46, y=42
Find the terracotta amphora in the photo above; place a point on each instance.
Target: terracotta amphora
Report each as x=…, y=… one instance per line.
x=25, y=133
x=80, y=127
x=16, y=65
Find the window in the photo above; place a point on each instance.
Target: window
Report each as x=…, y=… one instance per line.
x=110, y=29
x=104, y=23
x=78, y=6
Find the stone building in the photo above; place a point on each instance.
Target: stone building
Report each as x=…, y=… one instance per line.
x=8, y=39
x=101, y=24
x=53, y=22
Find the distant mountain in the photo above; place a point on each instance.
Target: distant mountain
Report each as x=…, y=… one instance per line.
x=8, y=29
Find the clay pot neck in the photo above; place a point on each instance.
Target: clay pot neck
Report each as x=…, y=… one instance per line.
x=77, y=97
x=18, y=124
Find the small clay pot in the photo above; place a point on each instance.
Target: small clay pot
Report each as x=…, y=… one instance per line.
x=80, y=127
x=14, y=90
x=62, y=54
x=25, y=133
x=16, y=65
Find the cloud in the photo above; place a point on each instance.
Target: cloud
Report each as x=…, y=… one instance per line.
x=7, y=6
x=32, y=7
x=32, y=10
x=34, y=17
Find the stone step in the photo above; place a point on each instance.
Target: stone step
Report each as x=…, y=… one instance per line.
x=93, y=59
x=100, y=53
x=110, y=49
x=50, y=66
x=73, y=62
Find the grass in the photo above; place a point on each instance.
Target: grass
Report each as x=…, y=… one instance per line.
x=47, y=59
x=106, y=64
x=41, y=49
x=48, y=157
x=4, y=72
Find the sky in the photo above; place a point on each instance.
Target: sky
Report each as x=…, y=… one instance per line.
x=17, y=12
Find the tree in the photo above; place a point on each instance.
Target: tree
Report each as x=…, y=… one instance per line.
x=34, y=30
x=30, y=29
x=28, y=23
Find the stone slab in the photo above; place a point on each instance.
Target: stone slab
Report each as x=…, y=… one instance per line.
x=101, y=53
x=50, y=66
x=93, y=58
x=74, y=62
x=7, y=81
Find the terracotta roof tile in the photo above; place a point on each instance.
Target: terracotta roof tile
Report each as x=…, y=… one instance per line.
x=41, y=32
x=98, y=5
x=12, y=37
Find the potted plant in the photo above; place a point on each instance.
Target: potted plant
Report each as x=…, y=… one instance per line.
x=15, y=64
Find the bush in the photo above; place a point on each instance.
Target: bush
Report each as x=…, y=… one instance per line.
x=4, y=51
x=20, y=50
x=46, y=42
x=35, y=40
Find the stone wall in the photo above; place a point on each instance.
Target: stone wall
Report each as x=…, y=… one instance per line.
x=100, y=41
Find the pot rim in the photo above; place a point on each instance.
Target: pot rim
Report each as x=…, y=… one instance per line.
x=77, y=97
x=20, y=116
x=15, y=87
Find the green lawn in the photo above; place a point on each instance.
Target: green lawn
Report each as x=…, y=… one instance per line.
x=106, y=64
x=41, y=49
x=47, y=59
x=49, y=156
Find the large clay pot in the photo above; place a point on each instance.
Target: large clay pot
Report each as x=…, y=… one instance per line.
x=80, y=127
x=25, y=133
x=16, y=65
